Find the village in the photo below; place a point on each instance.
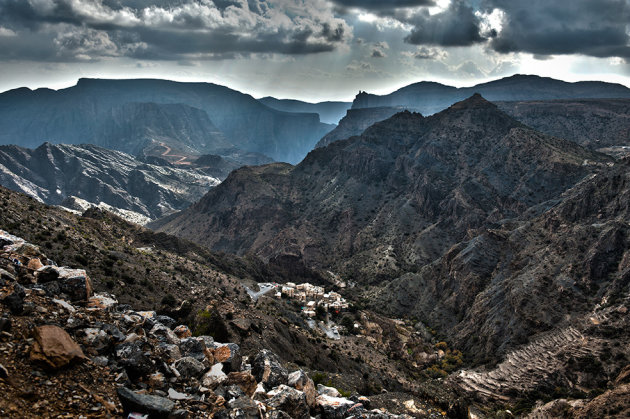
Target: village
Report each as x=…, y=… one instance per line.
x=314, y=302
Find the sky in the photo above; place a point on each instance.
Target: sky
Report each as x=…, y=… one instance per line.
x=312, y=50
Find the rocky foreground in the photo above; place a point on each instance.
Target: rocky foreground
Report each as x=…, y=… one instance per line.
x=65, y=351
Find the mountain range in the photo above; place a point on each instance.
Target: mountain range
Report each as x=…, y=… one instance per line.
x=154, y=116
x=430, y=97
x=392, y=199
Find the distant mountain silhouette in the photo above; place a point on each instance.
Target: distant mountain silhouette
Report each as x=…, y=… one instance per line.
x=329, y=112
x=431, y=97
x=132, y=115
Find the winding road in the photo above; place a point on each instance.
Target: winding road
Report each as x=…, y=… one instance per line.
x=167, y=153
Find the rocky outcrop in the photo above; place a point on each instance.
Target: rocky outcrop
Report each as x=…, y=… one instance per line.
x=356, y=121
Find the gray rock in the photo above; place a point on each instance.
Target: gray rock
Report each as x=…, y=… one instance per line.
x=155, y=406
x=163, y=333
x=300, y=381
x=241, y=408
x=134, y=359
x=189, y=367
x=328, y=391
x=266, y=368
x=193, y=347
x=166, y=321
x=289, y=400
x=214, y=377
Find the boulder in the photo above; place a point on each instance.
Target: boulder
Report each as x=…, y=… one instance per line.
x=241, y=408
x=182, y=331
x=168, y=352
x=102, y=301
x=134, y=359
x=266, y=368
x=328, y=391
x=229, y=354
x=164, y=334
x=188, y=367
x=54, y=348
x=289, y=400
x=277, y=414
x=193, y=347
x=6, y=275
x=300, y=381
x=244, y=379
x=166, y=321
x=334, y=407
x=34, y=264
x=14, y=300
x=214, y=377
x=74, y=283
x=155, y=406
x=97, y=339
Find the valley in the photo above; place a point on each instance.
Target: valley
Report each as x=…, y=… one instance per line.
x=467, y=261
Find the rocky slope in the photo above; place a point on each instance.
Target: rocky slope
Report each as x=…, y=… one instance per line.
x=391, y=200
x=56, y=173
x=431, y=97
x=68, y=351
x=148, y=271
x=329, y=112
x=592, y=123
x=355, y=122
x=128, y=113
x=549, y=296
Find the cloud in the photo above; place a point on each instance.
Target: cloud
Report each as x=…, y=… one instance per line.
x=382, y=5
x=425, y=53
x=377, y=53
x=563, y=27
x=455, y=26
x=170, y=30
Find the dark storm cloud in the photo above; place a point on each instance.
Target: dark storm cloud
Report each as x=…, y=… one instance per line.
x=542, y=27
x=77, y=30
x=382, y=5
x=456, y=26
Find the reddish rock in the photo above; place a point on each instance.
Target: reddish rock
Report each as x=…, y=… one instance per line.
x=244, y=380
x=54, y=347
x=182, y=331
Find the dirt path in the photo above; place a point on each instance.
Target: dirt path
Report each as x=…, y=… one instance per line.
x=167, y=153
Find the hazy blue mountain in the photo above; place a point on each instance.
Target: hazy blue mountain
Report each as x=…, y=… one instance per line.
x=329, y=112
x=431, y=97
x=131, y=115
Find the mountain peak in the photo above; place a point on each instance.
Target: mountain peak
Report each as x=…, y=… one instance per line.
x=476, y=101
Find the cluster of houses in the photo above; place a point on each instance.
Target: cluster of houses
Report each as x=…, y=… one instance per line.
x=313, y=296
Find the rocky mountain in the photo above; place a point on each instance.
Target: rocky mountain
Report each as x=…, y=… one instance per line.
x=548, y=295
x=80, y=175
x=136, y=115
x=329, y=112
x=592, y=123
x=430, y=97
x=393, y=199
x=356, y=121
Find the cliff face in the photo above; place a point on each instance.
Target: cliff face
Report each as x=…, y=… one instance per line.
x=355, y=122
x=127, y=113
x=54, y=173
